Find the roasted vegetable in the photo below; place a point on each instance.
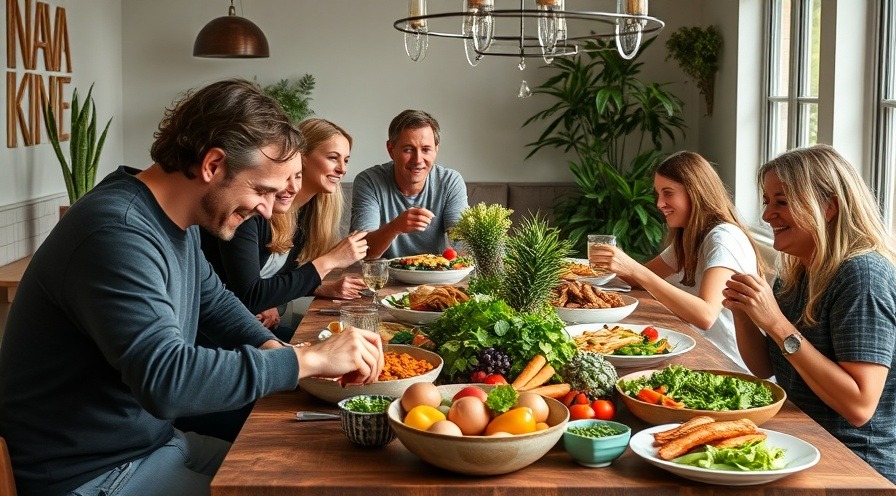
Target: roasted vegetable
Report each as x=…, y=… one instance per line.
x=589, y=373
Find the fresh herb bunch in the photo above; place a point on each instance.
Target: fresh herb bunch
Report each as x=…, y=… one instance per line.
x=483, y=228
x=464, y=330
x=701, y=390
x=368, y=404
x=294, y=97
x=533, y=265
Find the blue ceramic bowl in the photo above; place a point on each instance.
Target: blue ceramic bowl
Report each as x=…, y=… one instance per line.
x=370, y=430
x=596, y=452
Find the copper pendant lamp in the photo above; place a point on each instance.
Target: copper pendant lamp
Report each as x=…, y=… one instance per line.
x=231, y=36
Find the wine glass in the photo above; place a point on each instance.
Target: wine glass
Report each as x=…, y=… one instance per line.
x=376, y=275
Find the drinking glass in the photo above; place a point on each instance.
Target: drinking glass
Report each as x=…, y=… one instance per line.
x=376, y=275
x=595, y=240
x=360, y=316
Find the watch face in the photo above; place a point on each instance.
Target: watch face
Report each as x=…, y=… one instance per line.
x=791, y=344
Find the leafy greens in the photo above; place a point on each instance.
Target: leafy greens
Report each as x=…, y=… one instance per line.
x=750, y=456
x=700, y=390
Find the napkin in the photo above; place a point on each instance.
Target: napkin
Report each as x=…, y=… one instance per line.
x=615, y=284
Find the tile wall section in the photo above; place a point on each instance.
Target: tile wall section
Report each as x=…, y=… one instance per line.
x=25, y=225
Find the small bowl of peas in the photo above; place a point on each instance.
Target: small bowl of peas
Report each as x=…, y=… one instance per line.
x=364, y=420
x=596, y=443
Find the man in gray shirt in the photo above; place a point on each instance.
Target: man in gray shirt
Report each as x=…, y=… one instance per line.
x=407, y=205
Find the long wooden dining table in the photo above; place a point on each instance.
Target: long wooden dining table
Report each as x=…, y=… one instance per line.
x=275, y=454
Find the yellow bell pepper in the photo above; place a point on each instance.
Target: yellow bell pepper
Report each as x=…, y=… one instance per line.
x=422, y=417
x=515, y=421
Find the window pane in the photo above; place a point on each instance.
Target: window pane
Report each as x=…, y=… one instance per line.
x=812, y=54
x=888, y=157
x=777, y=129
x=808, y=125
x=779, y=65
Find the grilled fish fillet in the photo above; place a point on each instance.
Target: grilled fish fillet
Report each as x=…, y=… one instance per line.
x=664, y=437
x=706, y=434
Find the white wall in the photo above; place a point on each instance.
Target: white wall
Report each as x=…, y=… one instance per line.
x=364, y=78
x=95, y=35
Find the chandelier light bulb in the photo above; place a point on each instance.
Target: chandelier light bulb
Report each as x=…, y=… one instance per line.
x=629, y=30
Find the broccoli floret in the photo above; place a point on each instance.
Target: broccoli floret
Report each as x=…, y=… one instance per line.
x=589, y=373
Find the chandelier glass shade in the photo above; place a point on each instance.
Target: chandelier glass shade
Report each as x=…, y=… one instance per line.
x=538, y=28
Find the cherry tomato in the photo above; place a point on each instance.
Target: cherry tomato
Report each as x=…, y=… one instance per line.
x=579, y=412
x=478, y=376
x=495, y=379
x=603, y=409
x=449, y=253
x=576, y=398
x=651, y=333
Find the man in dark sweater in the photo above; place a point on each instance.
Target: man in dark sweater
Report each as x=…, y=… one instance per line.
x=99, y=351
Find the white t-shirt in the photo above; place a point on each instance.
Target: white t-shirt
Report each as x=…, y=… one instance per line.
x=725, y=246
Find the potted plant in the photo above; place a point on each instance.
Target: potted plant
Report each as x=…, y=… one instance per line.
x=293, y=97
x=84, y=145
x=697, y=52
x=615, y=125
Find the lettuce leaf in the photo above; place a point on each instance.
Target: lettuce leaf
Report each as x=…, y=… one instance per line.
x=750, y=456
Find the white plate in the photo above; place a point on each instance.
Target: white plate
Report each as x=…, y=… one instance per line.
x=799, y=455
x=407, y=315
x=591, y=315
x=681, y=344
x=451, y=276
x=597, y=280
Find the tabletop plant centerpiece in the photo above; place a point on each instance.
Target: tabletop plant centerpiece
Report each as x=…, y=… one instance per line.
x=84, y=145
x=483, y=228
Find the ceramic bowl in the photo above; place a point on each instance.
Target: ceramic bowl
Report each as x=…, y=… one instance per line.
x=370, y=430
x=451, y=276
x=596, y=451
x=331, y=391
x=593, y=315
x=659, y=414
x=479, y=455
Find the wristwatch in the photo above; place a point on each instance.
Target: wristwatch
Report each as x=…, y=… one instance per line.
x=792, y=344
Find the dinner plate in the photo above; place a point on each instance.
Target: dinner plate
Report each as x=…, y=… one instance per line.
x=450, y=276
x=596, y=280
x=681, y=344
x=406, y=314
x=591, y=315
x=798, y=455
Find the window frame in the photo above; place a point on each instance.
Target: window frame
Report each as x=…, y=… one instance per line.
x=884, y=130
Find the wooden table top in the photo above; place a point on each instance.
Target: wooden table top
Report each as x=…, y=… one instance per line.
x=276, y=455
x=11, y=274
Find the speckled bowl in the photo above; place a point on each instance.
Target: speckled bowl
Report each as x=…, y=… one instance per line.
x=370, y=430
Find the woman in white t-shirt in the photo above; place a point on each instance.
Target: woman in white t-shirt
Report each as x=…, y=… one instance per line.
x=706, y=244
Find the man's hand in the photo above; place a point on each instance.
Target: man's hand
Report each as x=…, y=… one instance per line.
x=353, y=355
x=413, y=219
x=269, y=318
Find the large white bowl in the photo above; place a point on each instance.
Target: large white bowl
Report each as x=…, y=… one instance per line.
x=598, y=280
x=594, y=315
x=798, y=455
x=406, y=314
x=479, y=455
x=331, y=391
x=450, y=276
x=681, y=344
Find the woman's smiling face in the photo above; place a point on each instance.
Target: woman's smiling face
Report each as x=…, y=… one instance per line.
x=672, y=201
x=326, y=165
x=789, y=237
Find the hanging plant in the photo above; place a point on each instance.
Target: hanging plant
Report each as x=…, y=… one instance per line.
x=697, y=52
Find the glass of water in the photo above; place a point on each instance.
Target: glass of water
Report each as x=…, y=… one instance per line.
x=594, y=241
x=360, y=316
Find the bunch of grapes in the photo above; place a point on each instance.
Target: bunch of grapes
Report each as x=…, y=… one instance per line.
x=493, y=361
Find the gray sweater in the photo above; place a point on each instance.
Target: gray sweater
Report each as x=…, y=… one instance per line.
x=98, y=354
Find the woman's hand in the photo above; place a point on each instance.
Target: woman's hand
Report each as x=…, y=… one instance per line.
x=269, y=318
x=346, y=288
x=614, y=260
x=751, y=294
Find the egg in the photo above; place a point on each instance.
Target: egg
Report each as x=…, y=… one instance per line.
x=500, y=434
x=421, y=393
x=470, y=414
x=536, y=403
x=445, y=427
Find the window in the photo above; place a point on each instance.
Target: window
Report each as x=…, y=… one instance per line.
x=792, y=87
x=884, y=167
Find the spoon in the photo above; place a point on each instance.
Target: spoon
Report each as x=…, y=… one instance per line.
x=305, y=416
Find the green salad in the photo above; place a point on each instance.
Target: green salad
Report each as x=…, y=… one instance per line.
x=750, y=456
x=700, y=390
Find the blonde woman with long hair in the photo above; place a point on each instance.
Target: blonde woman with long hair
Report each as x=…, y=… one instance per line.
x=706, y=244
x=827, y=330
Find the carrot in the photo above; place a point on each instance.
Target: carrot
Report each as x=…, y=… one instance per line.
x=532, y=368
x=552, y=390
x=543, y=376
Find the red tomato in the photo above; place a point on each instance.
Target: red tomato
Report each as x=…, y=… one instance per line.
x=579, y=412
x=651, y=333
x=478, y=376
x=603, y=409
x=575, y=398
x=449, y=253
x=495, y=379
